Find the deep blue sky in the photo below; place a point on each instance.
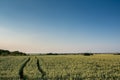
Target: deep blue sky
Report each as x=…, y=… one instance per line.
x=60, y=25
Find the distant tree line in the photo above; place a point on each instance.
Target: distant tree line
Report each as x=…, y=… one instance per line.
x=14, y=53
x=117, y=54
x=85, y=54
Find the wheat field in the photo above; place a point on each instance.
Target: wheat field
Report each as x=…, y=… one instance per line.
x=60, y=67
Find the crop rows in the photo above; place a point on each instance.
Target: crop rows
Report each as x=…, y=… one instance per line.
x=10, y=67
x=77, y=67
x=31, y=70
x=60, y=67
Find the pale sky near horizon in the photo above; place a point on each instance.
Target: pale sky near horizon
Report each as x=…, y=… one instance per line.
x=60, y=25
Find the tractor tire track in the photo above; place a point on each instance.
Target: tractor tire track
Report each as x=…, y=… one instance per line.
x=40, y=69
x=21, y=73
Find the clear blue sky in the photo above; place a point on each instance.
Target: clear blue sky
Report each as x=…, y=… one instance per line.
x=60, y=25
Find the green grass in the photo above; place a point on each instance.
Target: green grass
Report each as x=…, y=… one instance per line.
x=75, y=67
x=31, y=69
x=62, y=67
x=10, y=66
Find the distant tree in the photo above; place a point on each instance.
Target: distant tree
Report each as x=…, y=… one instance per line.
x=87, y=54
x=15, y=53
x=6, y=53
x=51, y=54
x=117, y=54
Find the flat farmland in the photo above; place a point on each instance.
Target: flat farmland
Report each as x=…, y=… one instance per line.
x=60, y=67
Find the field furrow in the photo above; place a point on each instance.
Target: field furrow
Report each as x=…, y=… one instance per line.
x=21, y=74
x=40, y=69
x=31, y=71
x=10, y=66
